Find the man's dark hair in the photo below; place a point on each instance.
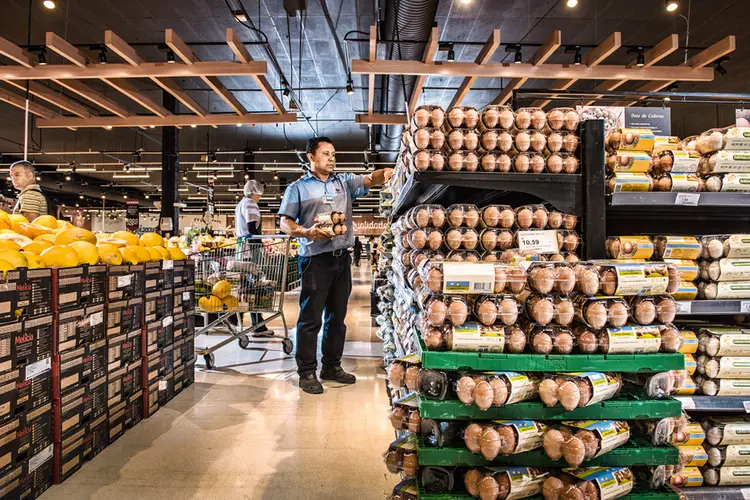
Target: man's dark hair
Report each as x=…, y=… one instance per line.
x=312, y=144
x=26, y=165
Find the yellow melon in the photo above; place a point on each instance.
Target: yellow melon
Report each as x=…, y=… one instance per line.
x=6, y=266
x=59, y=256
x=102, y=236
x=155, y=255
x=15, y=220
x=231, y=303
x=46, y=237
x=33, y=230
x=34, y=260
x=165, y=255
x=222, y=289
x=14, y=257
x=109, y=254
x=176, y=253
x=151, y=240
x=18, y=238
x=211, y=304
x=117, y=242
x=127, y=236
x=36, y=247
x=46, y=221
x=141, y=252
x=5, y=222
x=63, y=224
x=128, y=255
x=87, y=253
x=9, y=245
x=68, y=236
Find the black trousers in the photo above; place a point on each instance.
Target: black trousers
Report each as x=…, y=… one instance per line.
x=326, y=286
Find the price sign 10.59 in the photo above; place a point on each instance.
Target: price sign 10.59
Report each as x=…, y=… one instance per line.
x=542, y=241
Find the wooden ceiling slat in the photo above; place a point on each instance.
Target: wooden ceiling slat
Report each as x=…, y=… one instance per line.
x=488, y=50
x=429, y=55
x=53, y=97
x=239, y=49
x=550, y=45
x=168, y=121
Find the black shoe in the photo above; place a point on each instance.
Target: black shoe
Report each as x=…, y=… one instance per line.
x=310, y=384
x=337, y=375
x=263, y=333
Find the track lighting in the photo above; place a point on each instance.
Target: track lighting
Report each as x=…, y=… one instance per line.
x=572, y=3
x=240, y=16
x=125, y=196
x=285, y=92
x=671, y=5
x=293, y=105
x=575, y=49
x=349, y=86
x=147, y=196
x=170, y=56
x=50, y=4
x=67, y=177
x=448, y=47
x=103, y=55
x=518, y=59
x=43, y=57
x=276, y=177
x=718, y=67
x=184, y=177
x=640, y=60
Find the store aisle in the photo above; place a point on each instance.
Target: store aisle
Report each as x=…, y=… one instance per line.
x=236, y=436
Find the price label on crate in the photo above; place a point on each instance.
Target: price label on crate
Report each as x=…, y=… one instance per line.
x=688, y=199
x=745, y=306
x=745, y=493
x=185, y=295
x=684, y=307
x=124, y=280
x=35, y=369
x=746, y=404
x=543, y=241
x=96, y=318
x=168, y=264
x=40, y=458
x=162, y=385
x=167, y=321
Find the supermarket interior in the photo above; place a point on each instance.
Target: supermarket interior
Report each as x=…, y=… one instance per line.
x=377, y=249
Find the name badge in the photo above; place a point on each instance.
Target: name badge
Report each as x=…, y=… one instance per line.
x=327, y=198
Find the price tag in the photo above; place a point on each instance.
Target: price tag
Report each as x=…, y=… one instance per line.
x=746, y=404
x=96, y=318
x=35, y=369
x=167, y=321
x=162, y=385
x=688, y=199
x=185, y=295
x=687, y=403
x=745, y=493
x=40, y=458
x=124, y=280
x=684, y=307
x=168, y=264
x=538, y=241
x=745, y=306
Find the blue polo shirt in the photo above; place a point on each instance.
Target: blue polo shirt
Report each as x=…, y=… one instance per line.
x=309, y=196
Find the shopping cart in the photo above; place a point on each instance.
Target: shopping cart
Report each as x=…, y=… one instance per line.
x=249, y=277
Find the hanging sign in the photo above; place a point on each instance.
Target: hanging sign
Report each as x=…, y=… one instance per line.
x=657, y=120
x=132, y=217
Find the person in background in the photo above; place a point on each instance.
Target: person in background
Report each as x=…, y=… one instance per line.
x=368, y=244
x=248, y=223
x=31, y=201
x=324, y=263
x=357, y=250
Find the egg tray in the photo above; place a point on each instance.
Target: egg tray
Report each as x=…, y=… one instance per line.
x=491, y=361
x=625, y=406
x=638, y=493
x=637, y=452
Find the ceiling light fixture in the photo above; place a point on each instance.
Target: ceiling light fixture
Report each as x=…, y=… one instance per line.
x=276, y=177
x=239, y=124
x=349, y=85
x=193, y=125
x=103, y=55
x=518, y=59
x=146, y=196
x=108, y=127
x=170, y=56
x=152, y=126
x=574, y=49
x=718, y=67
x=67, y=177
x=285, y=92
x=240, y=16
x=671, y=5
x=50, y=4
x=80, y=196
x=42, y=58
x=125, y=196
x=572, y=3
x=184, y=177
x=293, y=106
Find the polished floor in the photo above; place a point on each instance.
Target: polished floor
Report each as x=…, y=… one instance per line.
x=244, y=431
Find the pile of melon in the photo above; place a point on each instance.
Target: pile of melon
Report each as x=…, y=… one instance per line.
x=48, y=242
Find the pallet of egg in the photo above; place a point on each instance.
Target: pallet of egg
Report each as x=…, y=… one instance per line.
x=723, y=361
x=724, y=158
x=461, y=139
x=628, y=150
x=423, y=141
x=723, y=267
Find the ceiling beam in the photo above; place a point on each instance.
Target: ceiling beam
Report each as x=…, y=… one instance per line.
x=96, y=97
x=651, y=57
x=122, y=48
x=239, y=49
x=429, y=55
x=189, y=58
x=146, y=70
x=488, y=50
x=59, y=45
x=592, y=59
x=54, y=97
x=19, y=101
x=371, y=79
x=16, y=53
x=380, y=119
x=129, y=90
x=550, y=45
x=544, y=71
x=168, y=121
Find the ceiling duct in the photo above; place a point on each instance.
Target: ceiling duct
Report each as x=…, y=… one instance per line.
x=404, y=20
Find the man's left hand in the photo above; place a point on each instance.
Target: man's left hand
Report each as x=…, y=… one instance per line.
x=388, y=174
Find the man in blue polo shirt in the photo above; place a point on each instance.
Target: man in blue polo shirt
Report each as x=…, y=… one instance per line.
x=324, y=262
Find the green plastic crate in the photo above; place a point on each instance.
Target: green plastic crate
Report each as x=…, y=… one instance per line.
x=637, y=452
x=665, y=493
x=622, y=407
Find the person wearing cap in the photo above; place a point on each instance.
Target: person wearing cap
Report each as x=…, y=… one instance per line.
x=31, y=201
x=247, y=222
x=324, y=261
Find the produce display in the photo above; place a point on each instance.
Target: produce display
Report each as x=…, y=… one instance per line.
x=99, y=330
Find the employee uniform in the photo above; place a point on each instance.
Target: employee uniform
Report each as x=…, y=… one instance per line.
x=324, y=265
x=31, y=199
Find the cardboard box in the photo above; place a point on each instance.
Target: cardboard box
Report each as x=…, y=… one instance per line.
x=176, y=301
x=76, y=287
x=77, y=409
x=151, y=399
x=78, y=327
x=190, y=372
x=189, y=327
x=153, y=277
x=68, y=455
x=167, y=360
x=178, y=326
x=159, y=334
x=125, y=282
x=25, y=293
x=166, y=277
x=30, y=478
x=158, y=305
x=166, y=388
x=179, y=379
x=134, y=410
x=188, y=348
x=178, y=273
x=96, y=437
x=124, y=316
x=25, y=436
x=177, y=354
x=132, y=383
x=188, y=273
x=23, y=389
x=115, y=358
x=188, y=298
x=24, y=343
x=151, y=368
x=131, y=348
x=117, y=421
x=115, y=386
x=73, y=369
x=95, y=285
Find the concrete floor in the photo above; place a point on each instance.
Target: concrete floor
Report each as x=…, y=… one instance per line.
x=245, y=431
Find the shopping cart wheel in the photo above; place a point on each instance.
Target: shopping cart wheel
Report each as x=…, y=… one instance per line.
x=210, y=360
x=244, y=341
x=287, y=346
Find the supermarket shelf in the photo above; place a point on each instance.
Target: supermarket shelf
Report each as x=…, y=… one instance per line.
x=638, y=452
x=714, y=404
x=663, y=199
x=712, y=307
x=716, y=493
x=664, y=493
x=623, y=407
x=482, y=361
x=563, y=191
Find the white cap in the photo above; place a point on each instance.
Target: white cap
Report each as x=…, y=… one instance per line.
x=253, y=187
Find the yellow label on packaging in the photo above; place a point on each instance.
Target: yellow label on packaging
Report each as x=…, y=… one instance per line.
x=698, y=455
x=665, y=143
x=637, y=139
x=688, y=269
x=681, y=247
x=642, y=247
x=685, y=183
x=628, y=182
x=631, y=161
x=688, y=477
x=690, y=364
x=685, y=162
x=689, y=342
x=695, y=436
x=686, y=291
x=688, y=388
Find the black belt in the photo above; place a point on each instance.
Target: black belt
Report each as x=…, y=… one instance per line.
x=336, y=253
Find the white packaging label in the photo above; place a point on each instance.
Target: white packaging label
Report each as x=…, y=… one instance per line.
x=522, y=387
x=734, y=270
x=639, y=279
x=733, y=367
x=688, y=199
x=685, y=183
x=604, y=386
x=736, y=432
x=464, y=277
x=162, y=385
x=168, y=264
x=738, y=246
x=737, y=139
x=530, y=434
x=687, y=403
x=733, y=344
x=470, y=337
x=733, y=290
x=96, y=318
x=730, y=161
x=732, y=476
x=684, y=307
x=735, y=183
x=633, y=339
x=167, y=321
x=745, y=306
x=729, y=387
x=185, y=295
x=40, y=458
x=35, y=369
x=542, y=241
x=737, y=454
x=124, y=280
x=684, y=162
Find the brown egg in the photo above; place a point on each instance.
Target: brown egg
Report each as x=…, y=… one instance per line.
x=521, y=164
x=436, y=312
x=456, y=257
x=489, y=240
x=618, y=314
x=541, y=343
x=471, y=162
x=555, y=119
x=422, y=217
x=554, y=142
x=438, y=217
x=435, y=280
x=554, y=164
x=392, y=460
x=506, y=118
x=490, y=443
x=569, y=396
x=471, y=217
x=522, y=141
x=487, y=312
x=570, y=165
x=538, y=119
x=455, y=162
x=411, y=379
x=553, y=487
x=589, y=442
x=596, y=314
x=548, y=392
x=572, y=493
x=517, y=280
x=588, y=282
x=487, y=162
x=564, y=312
x=489, y=140
x=541, y=217
x=645, y=312
x=490, y=118
x=556, y=257
x=421, y=117
x=422, y=161
x=538, y=141
x=410, y=465
x=418, y=239
x=456, y=139
x=435, y=240
x=574, y=451
x=471, y=117
x=398, y=418
x=630, y=138
x=515, y=342
x=584, y=390
x=587, y=342
x=500, y=391
x=505, y=240
x=437, y=139
x=433, y=338
x=666, y=310
x=415, y=422
x=542, y=279
x=504, y=142
x=608, y=282
x=472, y=257
x=469, y=239
x=508, y=440
x=437, y=162
x=570, y=142
x=523, y=119
x=422, y=138
x=507, y=218
x=453, y=238
x=503, y=163
x=671, y=340
x=471, y=481
x=508, y=311
x=565, y=279
x=396, y=373
x=552, y=442
x=437, y=116
x=457, y=312
x=543, y=311
x=570, y=242
x=483, y=395
x=570, y=221
x=524, y=218
x=491, y=216
x=536, y=163
x=571, y=120
x=456, y=117
x=465, y=388
x=488, y=488
x=456, y=217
